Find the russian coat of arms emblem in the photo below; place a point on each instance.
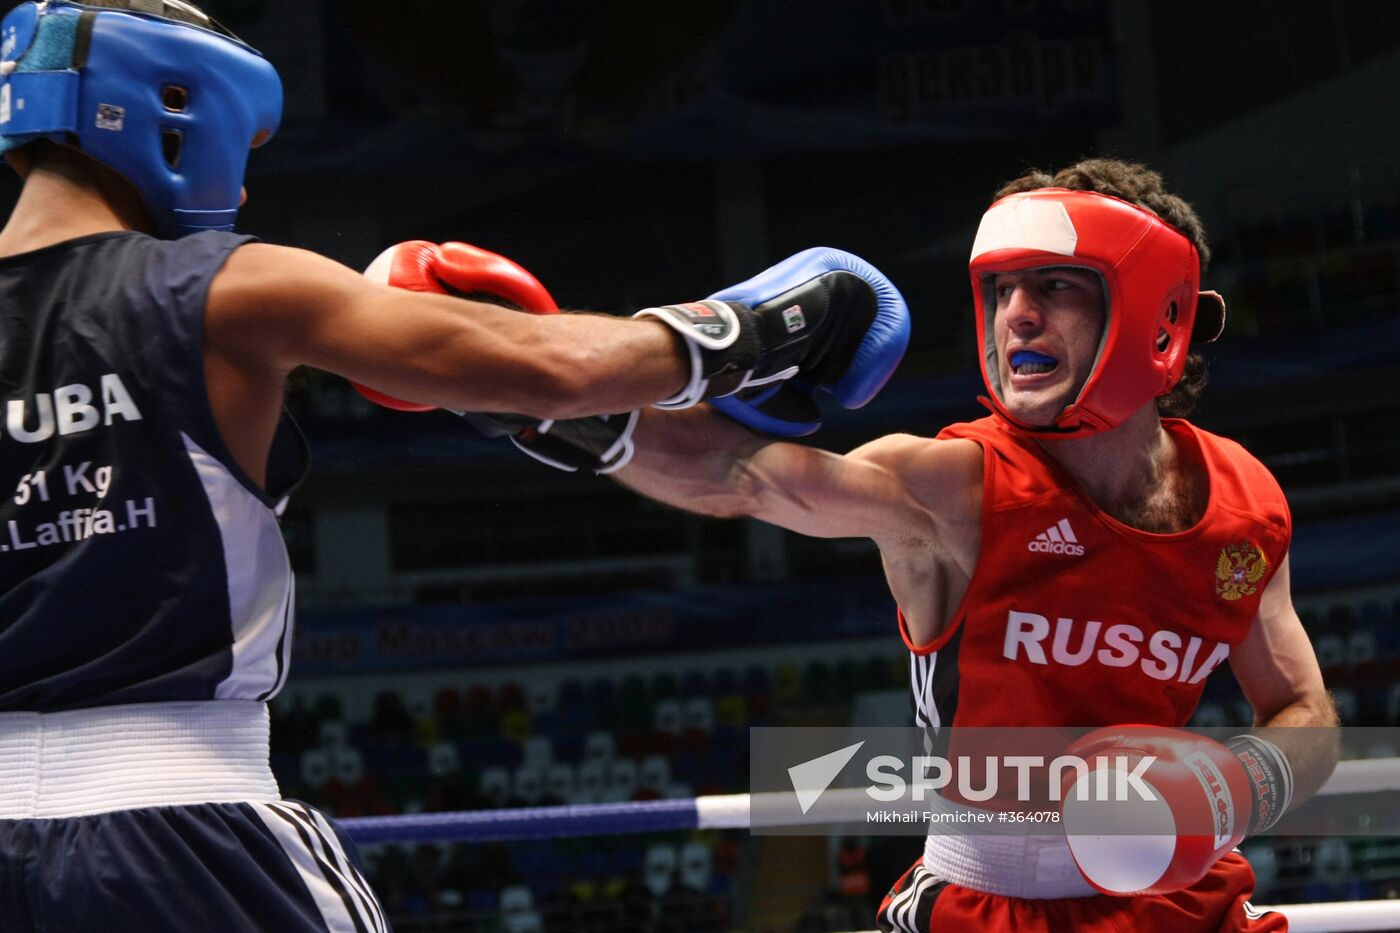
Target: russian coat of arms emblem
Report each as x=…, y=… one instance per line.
x=1238, y=569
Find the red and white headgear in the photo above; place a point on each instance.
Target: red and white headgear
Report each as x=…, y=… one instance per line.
x=1151, y=275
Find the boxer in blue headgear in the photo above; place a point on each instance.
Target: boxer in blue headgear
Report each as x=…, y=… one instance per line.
x=145, y=592
x=158, y=92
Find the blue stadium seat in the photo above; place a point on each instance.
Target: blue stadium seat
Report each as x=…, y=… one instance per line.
x=694, y=683
x=756, y=680
x=722, y=680
x=480, y=900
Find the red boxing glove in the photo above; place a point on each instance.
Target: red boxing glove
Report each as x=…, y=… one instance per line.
x=452, y=269
x=1126, y=844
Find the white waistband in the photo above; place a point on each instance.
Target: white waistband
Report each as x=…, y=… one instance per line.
x=88, y=761
x=1010, y=864
x=1038, y=867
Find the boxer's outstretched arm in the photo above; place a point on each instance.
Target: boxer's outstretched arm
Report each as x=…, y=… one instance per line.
x=1279, y=675
x=892, y=490
x=918, y=499
x=274, y=308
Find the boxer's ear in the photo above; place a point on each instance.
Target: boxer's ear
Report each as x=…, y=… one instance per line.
x=1210, y=318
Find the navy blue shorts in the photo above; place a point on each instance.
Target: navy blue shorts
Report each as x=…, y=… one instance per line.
x=207, y=868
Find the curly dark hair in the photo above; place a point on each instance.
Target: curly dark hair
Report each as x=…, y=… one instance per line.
x=1144, y=187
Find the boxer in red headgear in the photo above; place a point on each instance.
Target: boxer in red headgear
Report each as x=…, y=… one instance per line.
x=1082, y=557
x=1149, y=274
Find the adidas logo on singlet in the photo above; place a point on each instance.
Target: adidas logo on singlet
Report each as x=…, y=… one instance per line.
x=1057, y=539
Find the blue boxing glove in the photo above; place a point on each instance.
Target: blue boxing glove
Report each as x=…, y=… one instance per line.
x=820, y=320
x=855, y=360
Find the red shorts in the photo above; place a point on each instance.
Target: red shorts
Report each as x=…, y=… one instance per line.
x=920, y=902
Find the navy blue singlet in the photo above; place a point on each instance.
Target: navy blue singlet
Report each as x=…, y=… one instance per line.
x=138, y=563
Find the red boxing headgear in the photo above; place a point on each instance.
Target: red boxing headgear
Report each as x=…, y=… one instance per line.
x=1151, y=275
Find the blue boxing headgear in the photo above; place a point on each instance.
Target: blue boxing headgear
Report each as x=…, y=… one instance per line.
x=153, y=89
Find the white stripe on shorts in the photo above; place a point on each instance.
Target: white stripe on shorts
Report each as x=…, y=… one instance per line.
x=903, y=912
x=359, y=885
x=341, y=894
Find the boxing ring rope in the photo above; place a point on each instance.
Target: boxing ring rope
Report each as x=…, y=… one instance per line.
x=732, y=811
x=725, y=811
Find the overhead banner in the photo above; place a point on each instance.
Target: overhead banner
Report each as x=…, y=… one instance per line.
x=558, y=82
x=419, y=637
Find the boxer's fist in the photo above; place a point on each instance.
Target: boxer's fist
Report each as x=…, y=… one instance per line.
x=1160, y=806
x=453, y=269
x=825, y=319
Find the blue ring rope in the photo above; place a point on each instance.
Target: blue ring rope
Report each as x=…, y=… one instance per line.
x=591, y=819
x=659, y=816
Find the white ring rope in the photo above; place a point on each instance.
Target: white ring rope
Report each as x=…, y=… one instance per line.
x=1334, y=917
